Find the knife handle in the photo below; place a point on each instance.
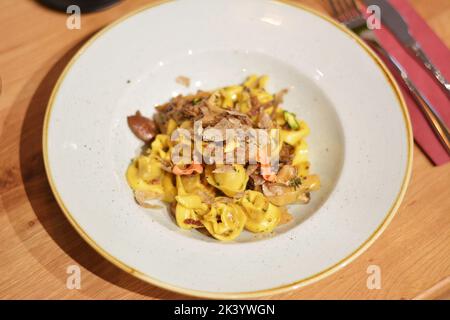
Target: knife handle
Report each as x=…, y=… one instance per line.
x=430, y=66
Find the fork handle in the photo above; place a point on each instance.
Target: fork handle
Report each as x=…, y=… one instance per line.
x=422, y=56
x=431, y=114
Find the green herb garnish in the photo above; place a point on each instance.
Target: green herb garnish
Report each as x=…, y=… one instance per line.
x=296, y=182
x=291, y=120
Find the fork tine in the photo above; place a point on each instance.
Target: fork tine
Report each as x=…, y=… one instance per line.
x=349, y=10
x=333, y=8
x=345, y=11
x=355, y=9
x=340, y=10
x=355, y=6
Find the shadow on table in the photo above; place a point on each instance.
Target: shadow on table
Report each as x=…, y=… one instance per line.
x=44, y=204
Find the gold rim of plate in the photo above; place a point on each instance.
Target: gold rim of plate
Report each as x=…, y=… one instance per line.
x=251, y=294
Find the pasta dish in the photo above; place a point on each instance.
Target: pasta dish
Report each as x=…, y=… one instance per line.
x=224, y=161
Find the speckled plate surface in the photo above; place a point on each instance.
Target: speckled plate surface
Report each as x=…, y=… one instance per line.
x=360, y=144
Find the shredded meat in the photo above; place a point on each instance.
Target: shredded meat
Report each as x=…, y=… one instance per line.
x=227, y=168
x=184, y=81
x=183, y=108
x=279, y=97
x=254, y=173
x=235, y=118
x=264, y=121
x=190, y=111
x=256, y=105
x=209, y=118
x=251, y=169
x=143, y=198
x=193, y=222
x=257, y=179
x=286, y=153
x=286, y=174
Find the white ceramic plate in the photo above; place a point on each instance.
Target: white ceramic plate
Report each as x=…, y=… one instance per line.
x=360, y=144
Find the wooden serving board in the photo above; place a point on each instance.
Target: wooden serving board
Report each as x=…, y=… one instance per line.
x=37, y=243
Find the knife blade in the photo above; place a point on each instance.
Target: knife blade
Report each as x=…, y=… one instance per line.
x=398, y=26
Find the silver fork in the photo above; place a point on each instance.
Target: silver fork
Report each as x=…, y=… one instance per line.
x=348, y=13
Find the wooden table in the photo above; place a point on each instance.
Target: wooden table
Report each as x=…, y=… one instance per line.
x=37, y=243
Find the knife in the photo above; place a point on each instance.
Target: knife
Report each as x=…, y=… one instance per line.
x=398, y=26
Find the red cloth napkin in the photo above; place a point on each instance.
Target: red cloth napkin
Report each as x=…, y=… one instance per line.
x=439, y=54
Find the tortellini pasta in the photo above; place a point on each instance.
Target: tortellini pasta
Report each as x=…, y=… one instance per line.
x=230, y=95
x=300, y=159
x=140, y=173
x=294, y=137
x=230, y=182
x=149, y=168
x=253, y=192
x=240, y=94
x=171, y=126
x=168, y=187
x=302, y=168
x=145, y=175
x=189, y=209
x=262, y=216
x=193, y=185
x=244, y=104
x=161, y=147
x=311, y=182
x=257, y=87
x=300, y=153
x=226, y=219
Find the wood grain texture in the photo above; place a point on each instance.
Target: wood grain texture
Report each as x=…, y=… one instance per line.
x=37, y=243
